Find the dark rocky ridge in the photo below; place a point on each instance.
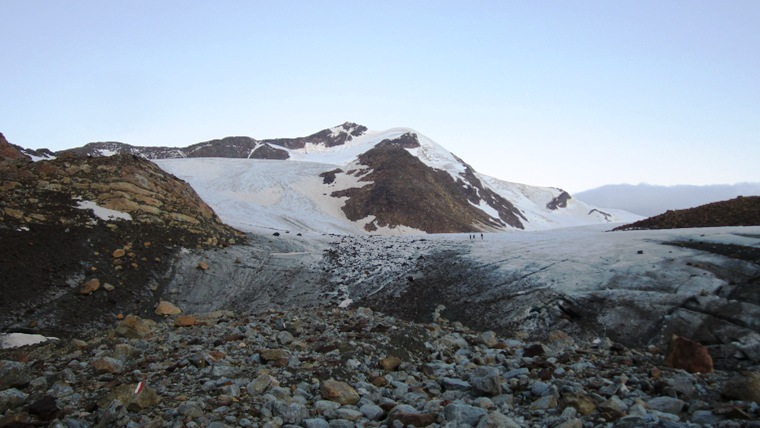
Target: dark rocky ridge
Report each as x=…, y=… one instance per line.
x=741, y=211
x=228, y=147
x=325, y=137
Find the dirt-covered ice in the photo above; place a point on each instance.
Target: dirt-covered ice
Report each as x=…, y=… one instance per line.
x=635, y=287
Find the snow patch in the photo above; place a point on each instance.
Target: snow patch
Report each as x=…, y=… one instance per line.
x=106, y=152
x=102, y=212
x=16, y=340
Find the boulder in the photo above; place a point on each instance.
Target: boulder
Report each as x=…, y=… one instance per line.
x=185, y=321
x=745, y=387
x=463, y=414
x=13, y=374
x=339, y=392
x=134, y=327
x=486, y=381
x=89, y=286
x=666, y=405
x=278, y=357
x=167, y=308
x=390, y=364
x=10, y=399
x=408, y=415
x=144, y=399
x=688, y=355
x=107, y=365
x=580, y=402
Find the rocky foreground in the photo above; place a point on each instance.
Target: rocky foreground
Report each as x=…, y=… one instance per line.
x=344, y=368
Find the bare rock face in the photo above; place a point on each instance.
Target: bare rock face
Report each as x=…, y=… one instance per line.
x=402, y=191
x=559, y=201
x=8, y=151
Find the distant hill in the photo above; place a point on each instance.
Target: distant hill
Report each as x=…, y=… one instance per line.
x=649, y=200
x=741, y=211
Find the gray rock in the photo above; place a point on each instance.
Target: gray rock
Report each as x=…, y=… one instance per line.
x=13, y=374
x=113, y=414
x=489, y=338
x=108, y=365
x=324, y=406
x=284, y=337
x=372, y=412
x=571, y=423
x=261, y=384
x=452, y=384
x=497, y=420
x=190, y=409
x=463, y=414
x=666, y=405
x=544, y=403
x=11, y=398
x=486, y=380
x=705, y=417
x=341, y=423
x=315, y=423
x=125, y=352
x=291, y=413
x=539, y=388
x=348, y=414
x=516, y=373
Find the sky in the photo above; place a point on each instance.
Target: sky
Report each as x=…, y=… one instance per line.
x=570, y=94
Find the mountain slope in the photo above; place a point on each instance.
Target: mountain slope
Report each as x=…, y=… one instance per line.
x=741, y=211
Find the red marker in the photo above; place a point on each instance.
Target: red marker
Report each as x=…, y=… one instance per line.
x=140, y=386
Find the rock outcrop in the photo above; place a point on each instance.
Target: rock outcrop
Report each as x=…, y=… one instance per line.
x=9, y=151
x=402, y=191
x=73, y=223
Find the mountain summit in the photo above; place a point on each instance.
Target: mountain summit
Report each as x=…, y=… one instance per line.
x=348, y=179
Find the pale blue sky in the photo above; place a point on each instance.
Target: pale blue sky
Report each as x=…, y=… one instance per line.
x=573, y=94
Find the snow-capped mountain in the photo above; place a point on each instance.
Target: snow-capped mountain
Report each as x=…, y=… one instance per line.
x=348, y=179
